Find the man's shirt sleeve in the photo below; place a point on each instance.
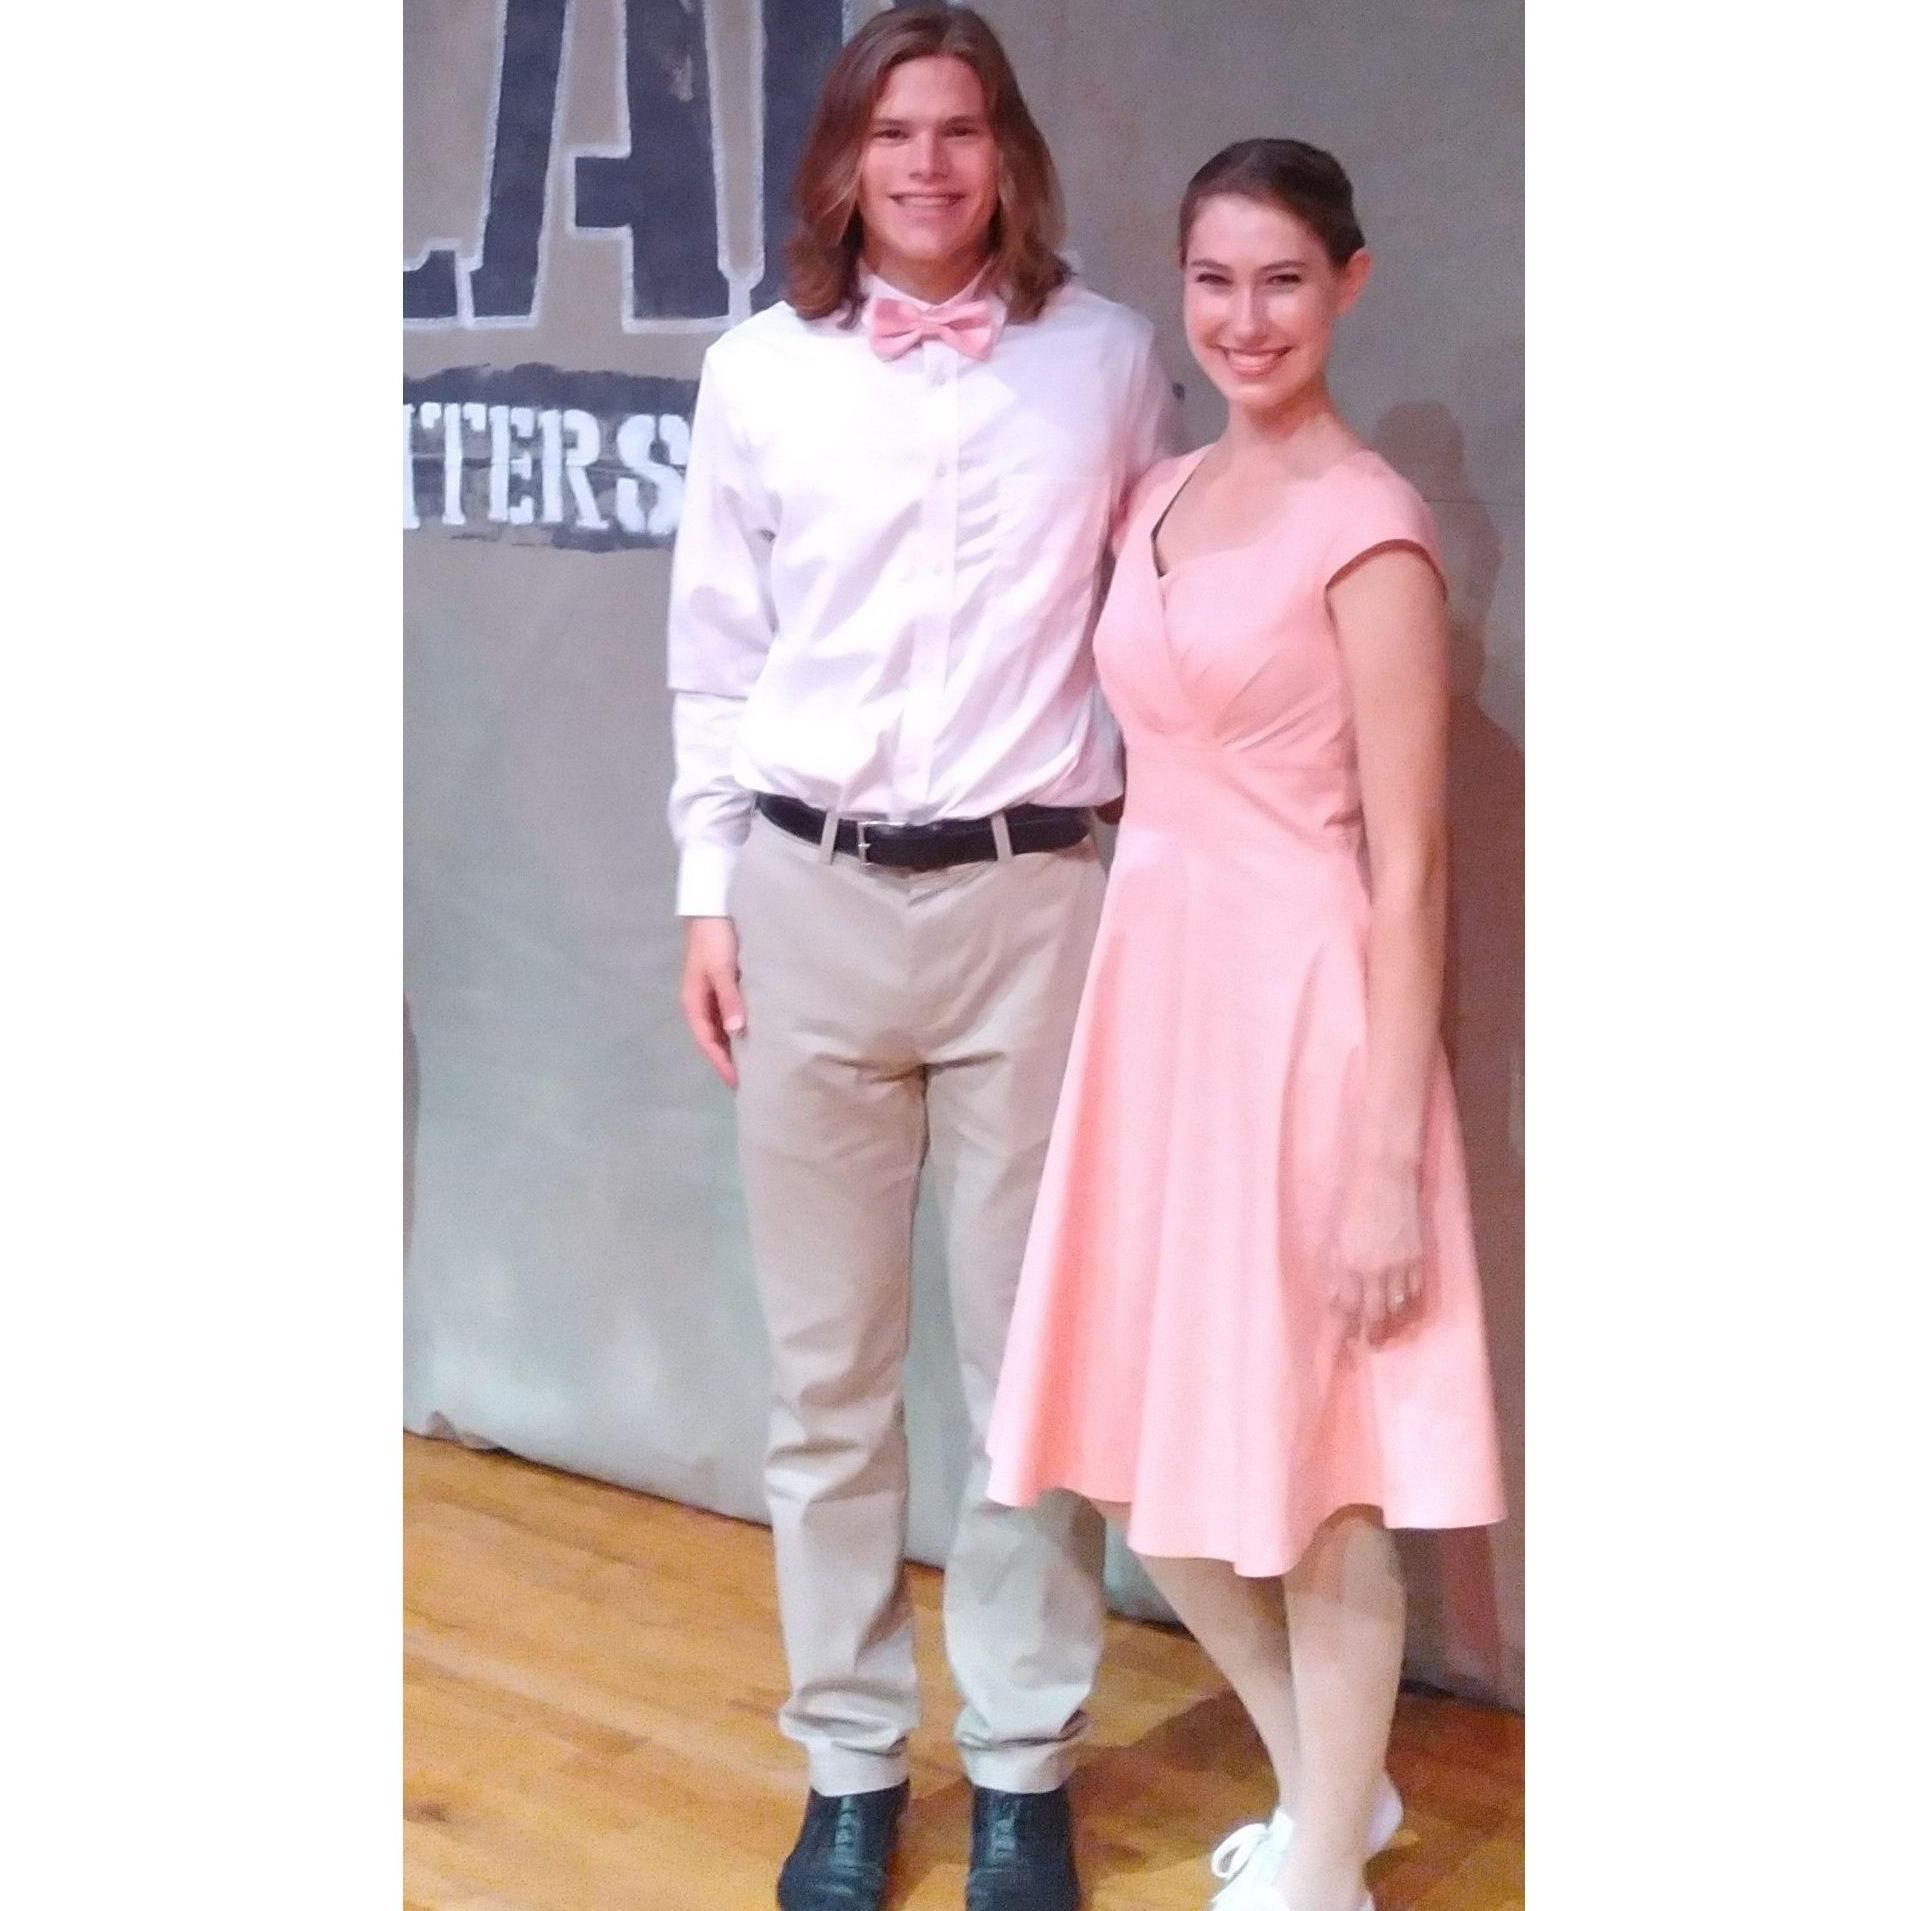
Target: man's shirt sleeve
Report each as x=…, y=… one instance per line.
x=721, y=625
x=1153, y=416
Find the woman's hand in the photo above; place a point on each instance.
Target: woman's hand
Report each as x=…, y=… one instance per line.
x=1379, y=1252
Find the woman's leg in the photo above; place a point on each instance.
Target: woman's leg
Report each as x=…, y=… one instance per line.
x=1241, y=1625
x=1346, y=1610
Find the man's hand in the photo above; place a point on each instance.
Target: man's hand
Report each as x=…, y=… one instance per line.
x=711, y=994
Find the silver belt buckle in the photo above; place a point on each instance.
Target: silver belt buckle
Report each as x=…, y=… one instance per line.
x=862, y=842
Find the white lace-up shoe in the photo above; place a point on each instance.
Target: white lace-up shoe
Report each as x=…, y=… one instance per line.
x=1250, y=1885
x=1266, y=1897
x=1244, y=1865
x=1245, y=1860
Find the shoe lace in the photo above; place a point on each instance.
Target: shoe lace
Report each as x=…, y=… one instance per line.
x=1238, y=1850
x=846, y=1845
x=1001, y=1832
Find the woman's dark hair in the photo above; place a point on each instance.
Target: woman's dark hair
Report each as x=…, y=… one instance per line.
x=1025, y=233
x=1288, y=173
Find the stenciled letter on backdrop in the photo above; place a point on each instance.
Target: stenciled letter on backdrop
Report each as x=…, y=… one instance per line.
x=592, y=460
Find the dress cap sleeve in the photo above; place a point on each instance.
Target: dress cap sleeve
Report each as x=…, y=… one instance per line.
x=1376, y=508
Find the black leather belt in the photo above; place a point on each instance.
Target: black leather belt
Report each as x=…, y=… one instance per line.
x=930, y=845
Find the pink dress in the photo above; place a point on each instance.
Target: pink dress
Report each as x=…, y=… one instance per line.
x=1171, y=1346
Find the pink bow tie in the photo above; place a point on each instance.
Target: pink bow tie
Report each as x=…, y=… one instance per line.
x=895, y=327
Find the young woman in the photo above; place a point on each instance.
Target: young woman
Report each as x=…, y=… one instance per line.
x=1249, y=1324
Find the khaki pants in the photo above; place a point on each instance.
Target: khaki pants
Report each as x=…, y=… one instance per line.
x=892, y=1013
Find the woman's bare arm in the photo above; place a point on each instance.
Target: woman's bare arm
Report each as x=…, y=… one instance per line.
x=1390, y=613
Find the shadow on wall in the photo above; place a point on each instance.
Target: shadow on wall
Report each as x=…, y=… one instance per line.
x=1466, y=1588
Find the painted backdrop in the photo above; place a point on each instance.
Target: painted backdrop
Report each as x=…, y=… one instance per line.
x=594, y=190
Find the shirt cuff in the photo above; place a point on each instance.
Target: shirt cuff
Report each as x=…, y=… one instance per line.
x=703, y=879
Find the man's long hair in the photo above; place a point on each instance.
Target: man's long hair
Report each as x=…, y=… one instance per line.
x=1025, y=233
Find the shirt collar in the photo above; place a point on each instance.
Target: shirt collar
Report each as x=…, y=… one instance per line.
x=879, y=288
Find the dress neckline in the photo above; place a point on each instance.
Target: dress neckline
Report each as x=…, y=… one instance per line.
x=1225, y=550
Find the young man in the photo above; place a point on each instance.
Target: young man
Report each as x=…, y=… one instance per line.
x=900, y=492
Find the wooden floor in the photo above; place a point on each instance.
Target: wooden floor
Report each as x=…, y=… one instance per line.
x=591, y=1684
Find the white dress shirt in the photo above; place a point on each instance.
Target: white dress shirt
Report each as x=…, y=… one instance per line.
x=886, y=572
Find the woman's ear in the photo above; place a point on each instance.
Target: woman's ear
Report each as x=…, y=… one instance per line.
x=1353, y=276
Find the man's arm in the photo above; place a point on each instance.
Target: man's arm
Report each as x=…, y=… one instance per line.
x=720, y=629
x=1153, y=418
x=721, y=625
x=709, y=812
